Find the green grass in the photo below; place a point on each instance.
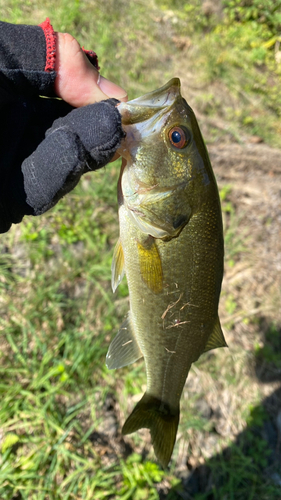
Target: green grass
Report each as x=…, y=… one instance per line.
x=57, y=310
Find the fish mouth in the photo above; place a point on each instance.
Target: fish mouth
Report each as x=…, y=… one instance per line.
x=144, y=107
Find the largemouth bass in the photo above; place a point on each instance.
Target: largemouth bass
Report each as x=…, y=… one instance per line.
x=171, y=248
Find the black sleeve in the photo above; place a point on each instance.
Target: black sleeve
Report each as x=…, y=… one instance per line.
x=27, y=58
x=27, y=62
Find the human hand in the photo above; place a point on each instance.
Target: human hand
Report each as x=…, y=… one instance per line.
x=78, y=82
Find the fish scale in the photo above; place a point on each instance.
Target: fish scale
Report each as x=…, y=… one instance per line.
x=171, y=249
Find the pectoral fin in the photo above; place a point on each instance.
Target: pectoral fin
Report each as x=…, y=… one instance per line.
x=117, y=266
x=150, y=265
x=216, y=338
x=124, y=348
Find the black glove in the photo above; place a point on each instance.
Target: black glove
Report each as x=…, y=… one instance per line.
x=85, y=139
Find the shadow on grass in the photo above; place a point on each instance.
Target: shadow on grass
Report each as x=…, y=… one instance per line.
x=268, y=357
x=251, y=467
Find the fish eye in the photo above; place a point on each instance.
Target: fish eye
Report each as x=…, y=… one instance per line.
x=178, y=137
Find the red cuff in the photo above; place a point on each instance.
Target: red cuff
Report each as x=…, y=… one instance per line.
x=92, y=56
x=50, y=45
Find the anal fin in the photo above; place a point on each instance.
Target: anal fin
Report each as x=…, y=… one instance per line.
x=216, y=338
x=124, y=348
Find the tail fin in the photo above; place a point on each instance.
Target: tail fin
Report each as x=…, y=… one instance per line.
x=162, y=422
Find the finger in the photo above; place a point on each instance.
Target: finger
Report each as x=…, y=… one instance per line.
x=112, y=90
x=97, y=88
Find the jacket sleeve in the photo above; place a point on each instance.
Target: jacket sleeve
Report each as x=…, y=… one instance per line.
x=27, y=57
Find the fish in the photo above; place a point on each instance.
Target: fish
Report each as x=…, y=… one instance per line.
x=171, y=249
